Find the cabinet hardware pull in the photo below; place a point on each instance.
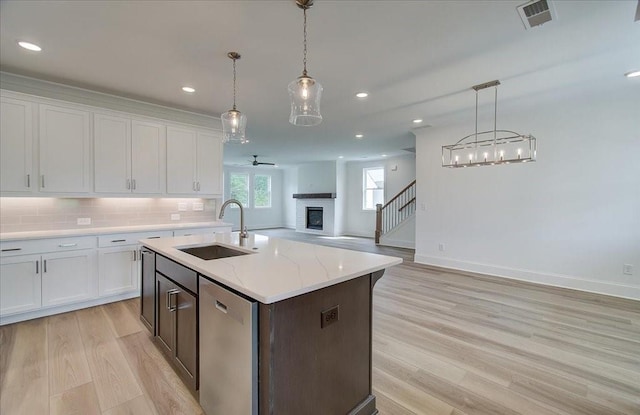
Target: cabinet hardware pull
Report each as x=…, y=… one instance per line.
x=37, y=267
x=134, y=255
x=11, y=249
x=42, y=178
x=67, y=245
x=194, y=186
x=198, y=186
x=170, y=305
x=45, y=265
x=153, y=237
x=133, y=183
x=128, y=184
x=28, y=180
x=119, y=240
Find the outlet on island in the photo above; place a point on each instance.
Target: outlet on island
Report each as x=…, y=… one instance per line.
x=330, y=316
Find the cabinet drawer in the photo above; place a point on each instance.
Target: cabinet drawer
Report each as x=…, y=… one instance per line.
x=37, y=246
x=178, y=273
x=121, y=239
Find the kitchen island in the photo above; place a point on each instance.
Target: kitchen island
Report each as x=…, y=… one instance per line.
x=297, y=337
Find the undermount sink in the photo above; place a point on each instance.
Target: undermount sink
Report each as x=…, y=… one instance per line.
x=212, y=252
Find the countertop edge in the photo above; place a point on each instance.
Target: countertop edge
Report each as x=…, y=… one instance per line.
x=60, y=233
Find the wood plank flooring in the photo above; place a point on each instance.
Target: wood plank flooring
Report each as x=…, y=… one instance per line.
x=444, y=343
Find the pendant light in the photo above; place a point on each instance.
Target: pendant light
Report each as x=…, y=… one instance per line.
x=305, y=91
x=490, y=148
x=234, y=122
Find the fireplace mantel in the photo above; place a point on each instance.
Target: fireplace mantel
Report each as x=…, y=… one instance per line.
x=314, y=195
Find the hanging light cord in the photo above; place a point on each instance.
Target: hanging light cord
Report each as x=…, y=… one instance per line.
x=234, y=84
x=304, y=60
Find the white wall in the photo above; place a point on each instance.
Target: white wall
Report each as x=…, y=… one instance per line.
x=317, y=177
x=361, y=222
x=289, y=186
x=570, y=219
x=340, y=204
x=257, y=218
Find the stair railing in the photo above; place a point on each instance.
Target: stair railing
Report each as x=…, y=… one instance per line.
x=395, y=211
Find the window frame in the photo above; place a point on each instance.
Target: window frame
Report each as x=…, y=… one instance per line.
x=365, y=188
x=247, y=176
x=269, y=191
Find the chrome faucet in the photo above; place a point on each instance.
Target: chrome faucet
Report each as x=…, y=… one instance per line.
x=243, y=229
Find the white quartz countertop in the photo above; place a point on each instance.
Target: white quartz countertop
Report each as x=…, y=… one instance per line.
x=12, y=236
x=275, y=269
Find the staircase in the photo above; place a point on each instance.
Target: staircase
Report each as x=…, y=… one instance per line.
x=395, y=211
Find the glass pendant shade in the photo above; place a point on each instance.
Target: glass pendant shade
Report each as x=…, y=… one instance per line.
x=234, y=124
x=305, y=93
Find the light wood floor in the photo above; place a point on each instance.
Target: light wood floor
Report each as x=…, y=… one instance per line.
x=444, y=343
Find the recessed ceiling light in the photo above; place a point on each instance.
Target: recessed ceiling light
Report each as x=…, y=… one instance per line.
x=417, y=121
x=188, y=89
x=384, y=155
x=340, y=157
x=362, y=94
x=632, y=74
x=30, y=46
x=359, y=135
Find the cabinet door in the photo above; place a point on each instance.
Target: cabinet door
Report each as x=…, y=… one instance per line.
x=181, y=161
x=147, y=155
x=209, y=164
x=64, y=150
x=68, y=277
x=148, y=289
x=186, y=339
x=164, y=317
x=112, y=148
x=20, y=288
x=117, y=270
x=16, y=141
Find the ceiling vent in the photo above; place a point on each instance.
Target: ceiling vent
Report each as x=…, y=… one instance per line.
x=536, y=13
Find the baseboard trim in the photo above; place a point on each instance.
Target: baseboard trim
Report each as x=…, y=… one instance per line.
x=555, y=280
x=397, y=243
x=50, y=311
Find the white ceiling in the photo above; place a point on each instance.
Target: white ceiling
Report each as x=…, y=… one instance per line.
x=417, y=59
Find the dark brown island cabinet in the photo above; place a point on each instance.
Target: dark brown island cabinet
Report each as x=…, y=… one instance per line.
x=309, y=354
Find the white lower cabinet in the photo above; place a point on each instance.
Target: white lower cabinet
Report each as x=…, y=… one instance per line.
x=68, y=277
x=118, y=270
x=20, y=288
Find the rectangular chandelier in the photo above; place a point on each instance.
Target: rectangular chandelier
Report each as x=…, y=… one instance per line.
x=488, y=148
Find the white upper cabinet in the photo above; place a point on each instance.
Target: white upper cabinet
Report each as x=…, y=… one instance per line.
x=65, y=155
x=16, y=144
x=194, y=162
x=112, y=154
x=148, y=147
x=128, y=155
x=209, y=163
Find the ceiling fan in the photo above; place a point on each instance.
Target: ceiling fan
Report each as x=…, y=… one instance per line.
x=255, y=162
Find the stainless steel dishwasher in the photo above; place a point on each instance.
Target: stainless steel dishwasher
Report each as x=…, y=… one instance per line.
x=228, y=351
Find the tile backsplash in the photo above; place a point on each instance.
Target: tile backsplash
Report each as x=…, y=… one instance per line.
x=18, y=214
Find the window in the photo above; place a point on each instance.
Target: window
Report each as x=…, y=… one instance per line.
x=262, y=191
x=372, y=187
x=239, y=188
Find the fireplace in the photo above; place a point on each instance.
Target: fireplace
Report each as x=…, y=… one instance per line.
x=314, y=218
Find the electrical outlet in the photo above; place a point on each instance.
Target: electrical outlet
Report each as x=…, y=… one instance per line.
x=182, y=207
x=330, y=316
x=198, y=206
x=627, y=269
x=175, y=216
x=441, y=247
x=84, y=221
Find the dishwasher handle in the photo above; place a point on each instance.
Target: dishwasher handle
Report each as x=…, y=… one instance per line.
x=220, y=306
